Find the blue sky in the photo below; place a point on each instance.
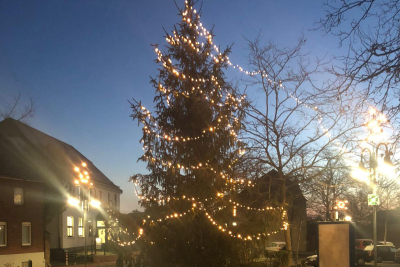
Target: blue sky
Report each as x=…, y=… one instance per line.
x=82, y=60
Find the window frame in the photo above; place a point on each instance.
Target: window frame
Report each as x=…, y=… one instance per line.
x=81, y=229
x=25, y=224
x=70, y=227
x=5, y=233
x=22, y=195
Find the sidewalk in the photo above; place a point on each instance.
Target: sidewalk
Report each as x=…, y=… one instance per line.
x=99, y=264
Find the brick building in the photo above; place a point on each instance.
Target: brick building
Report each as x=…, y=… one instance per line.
x=39, y=169
x=21, y=222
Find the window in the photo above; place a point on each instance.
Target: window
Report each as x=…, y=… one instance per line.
x=108, y=199
x=90, y=222
x=3, y=234
x=80, y=227
x=18, y=196
x=100, y=195
x=70, y=226
x=115, y=200
x=26, y=233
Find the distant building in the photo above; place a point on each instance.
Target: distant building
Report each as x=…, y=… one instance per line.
x=267, y=193
x=39, y=169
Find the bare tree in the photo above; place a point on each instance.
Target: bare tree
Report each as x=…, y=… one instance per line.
x=371, y=30
x=390, y=191
x=283, y=127
x=358, y=206
x=332, y=183
x=16, y=111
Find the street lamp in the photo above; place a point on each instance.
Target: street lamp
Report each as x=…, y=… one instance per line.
x=340, y=205
x=86, y=186
x=375, y=127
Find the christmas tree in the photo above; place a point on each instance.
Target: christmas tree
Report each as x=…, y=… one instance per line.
x=191, y=148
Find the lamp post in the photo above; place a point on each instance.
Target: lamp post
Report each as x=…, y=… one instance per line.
x=86, y=186
x=375, y=129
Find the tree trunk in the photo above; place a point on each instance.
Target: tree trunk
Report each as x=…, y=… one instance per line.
x=386, y=220
x=289, y=246
x=298, y=241
x=288, y=240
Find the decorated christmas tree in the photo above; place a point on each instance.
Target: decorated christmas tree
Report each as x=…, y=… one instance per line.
x=191, y=148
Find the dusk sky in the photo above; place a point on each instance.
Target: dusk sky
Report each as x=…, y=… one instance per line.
x=83, y=60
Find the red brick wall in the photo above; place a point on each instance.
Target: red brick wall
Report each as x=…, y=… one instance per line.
x=31, y=211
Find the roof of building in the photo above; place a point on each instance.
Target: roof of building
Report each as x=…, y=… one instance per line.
x=268, y=191
x=29, y=154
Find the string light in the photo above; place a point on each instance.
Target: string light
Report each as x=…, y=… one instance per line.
x=172, y=138
x=224, y=229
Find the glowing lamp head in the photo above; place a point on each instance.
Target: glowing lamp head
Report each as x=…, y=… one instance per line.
x=73, y=202
x=76, y=169
x=386, y=159
x=84, y=164
x=94, y=203
x=347, y=218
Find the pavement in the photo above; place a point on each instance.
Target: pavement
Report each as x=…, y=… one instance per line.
x=98, y=264
x=385, y=263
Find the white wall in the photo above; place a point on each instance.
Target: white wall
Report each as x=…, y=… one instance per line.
x=104, y=196
x=76, y=241
x=37, y=259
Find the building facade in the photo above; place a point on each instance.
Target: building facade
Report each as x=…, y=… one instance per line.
x=21, y=222
x=43, y=168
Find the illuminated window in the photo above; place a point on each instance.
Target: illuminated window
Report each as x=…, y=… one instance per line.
x=70, y=226
x=26, y=233
x=18, y=196
x=3, y=234
x=80, y=227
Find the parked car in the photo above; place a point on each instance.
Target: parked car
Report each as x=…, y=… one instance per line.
x=385, y=253
x=363, y=243
x=311, y=261
x=276, y=246
x=397, y=256
x=361, y=257
x=383, y=243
